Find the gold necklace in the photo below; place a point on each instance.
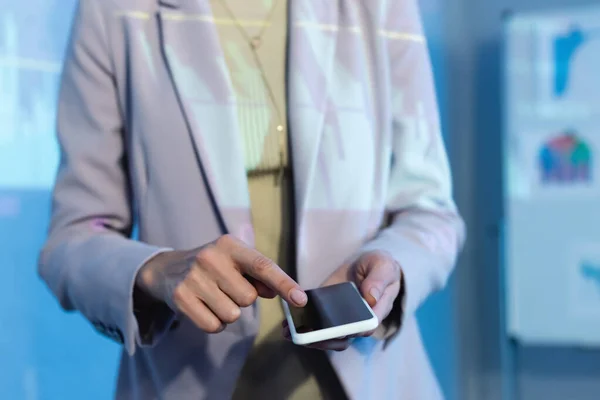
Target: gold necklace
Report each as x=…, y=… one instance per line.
x=254, y=43
x=256, y=40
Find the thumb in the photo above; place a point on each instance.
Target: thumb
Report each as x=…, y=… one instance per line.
x=378, y=277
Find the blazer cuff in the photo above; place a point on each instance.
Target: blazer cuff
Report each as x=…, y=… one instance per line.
x=109, y=293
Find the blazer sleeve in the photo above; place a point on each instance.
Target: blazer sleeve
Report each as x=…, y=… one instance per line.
x=88, y=261
x=425, y=231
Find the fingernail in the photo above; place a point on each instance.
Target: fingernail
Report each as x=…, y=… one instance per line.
x=298, y=297
x=374, y=292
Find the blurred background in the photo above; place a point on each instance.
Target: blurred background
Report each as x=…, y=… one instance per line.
x=519, y=87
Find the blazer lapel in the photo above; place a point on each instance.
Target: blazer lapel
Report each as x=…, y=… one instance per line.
x=196, y=64
x=312, y=48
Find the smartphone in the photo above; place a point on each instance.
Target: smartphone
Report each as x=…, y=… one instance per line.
x=331, y=312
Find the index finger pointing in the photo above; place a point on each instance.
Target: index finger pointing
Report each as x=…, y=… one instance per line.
x=263, y=269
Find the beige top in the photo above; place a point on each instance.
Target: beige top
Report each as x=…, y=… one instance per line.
x=253, y=34
x=244, y=25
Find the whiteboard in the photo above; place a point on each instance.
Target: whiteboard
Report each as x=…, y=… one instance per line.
x=552, y=177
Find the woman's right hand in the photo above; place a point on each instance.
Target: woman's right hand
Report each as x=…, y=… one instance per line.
x=211, y=283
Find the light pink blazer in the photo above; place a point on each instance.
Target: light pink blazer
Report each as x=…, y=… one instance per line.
x=147, y=127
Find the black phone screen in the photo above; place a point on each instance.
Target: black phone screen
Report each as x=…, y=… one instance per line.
x=328, y=307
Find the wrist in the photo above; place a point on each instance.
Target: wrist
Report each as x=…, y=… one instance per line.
x=152, y=313
x=147, y=278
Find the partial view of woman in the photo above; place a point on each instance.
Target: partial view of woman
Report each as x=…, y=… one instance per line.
x=257, y=148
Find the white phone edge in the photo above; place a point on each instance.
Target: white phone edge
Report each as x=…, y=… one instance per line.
x=330, y=333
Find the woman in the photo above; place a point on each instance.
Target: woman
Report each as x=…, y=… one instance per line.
x=248, y=141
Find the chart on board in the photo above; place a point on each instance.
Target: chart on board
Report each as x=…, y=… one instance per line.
x=552, y=176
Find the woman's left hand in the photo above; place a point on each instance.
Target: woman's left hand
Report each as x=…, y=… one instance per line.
x=377, y=276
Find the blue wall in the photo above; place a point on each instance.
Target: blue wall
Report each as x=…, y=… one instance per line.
x=438, y=315
x=44, y=352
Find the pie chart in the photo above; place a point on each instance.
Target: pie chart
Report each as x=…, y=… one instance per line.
x=565, y=158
